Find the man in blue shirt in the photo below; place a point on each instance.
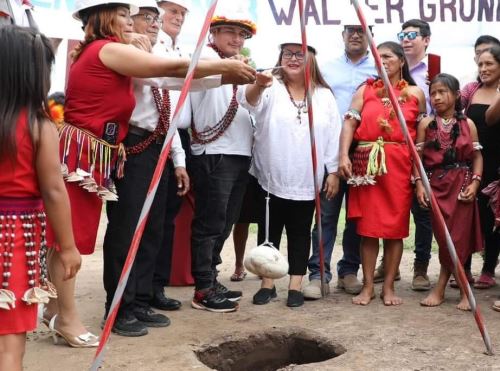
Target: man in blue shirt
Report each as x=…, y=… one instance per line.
x=344, y=75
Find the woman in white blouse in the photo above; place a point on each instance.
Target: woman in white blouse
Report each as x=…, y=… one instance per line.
x=282, y=161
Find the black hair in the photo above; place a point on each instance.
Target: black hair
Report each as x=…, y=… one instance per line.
x=399, y=51
x=486, y=39
x=423, y=26
x=24, y=81
x=452, y=83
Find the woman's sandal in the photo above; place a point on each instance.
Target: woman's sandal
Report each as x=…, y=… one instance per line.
x=87, y=340
x=237, y=277
x=485, y=281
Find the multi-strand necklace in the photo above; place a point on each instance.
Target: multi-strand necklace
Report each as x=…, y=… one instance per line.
x=301, y=106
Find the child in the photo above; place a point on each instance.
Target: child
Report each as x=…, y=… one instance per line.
x=30, y=181
x=448, y=145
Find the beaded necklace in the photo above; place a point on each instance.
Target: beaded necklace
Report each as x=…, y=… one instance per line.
x=212, y=134
x=389, y=113
x=163, y=107
x=301, y=106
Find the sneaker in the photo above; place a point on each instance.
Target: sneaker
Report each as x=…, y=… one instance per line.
x=209, y=299
x=313, y=289
x=127, y=324
x=229, y=294
x=150, y=318
x=264, y=295
x=350, y=284
x=420, y=280
x=380, y=273
x=295, y=299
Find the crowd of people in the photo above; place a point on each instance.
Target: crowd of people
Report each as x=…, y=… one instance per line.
x=242, y=135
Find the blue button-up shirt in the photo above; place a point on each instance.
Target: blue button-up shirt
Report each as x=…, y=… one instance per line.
x=344, y=77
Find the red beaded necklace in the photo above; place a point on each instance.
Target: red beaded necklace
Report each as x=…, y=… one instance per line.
x=163, y=107
x=215, y=132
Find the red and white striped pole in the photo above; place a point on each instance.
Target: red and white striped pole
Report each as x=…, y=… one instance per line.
x=99, y=356
x=317, y=186
x=459, y=271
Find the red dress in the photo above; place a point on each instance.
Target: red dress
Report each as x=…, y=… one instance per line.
x=95, y=96
x=19, y=200
x=382, y=210
x=447, y=181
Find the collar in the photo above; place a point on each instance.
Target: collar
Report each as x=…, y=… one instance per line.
x=422, y=64
x=361, y=60
x=165, y=40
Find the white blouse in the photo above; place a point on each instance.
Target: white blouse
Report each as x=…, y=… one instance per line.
x=282, y=145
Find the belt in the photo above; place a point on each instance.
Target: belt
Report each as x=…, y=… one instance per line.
x=145, y=133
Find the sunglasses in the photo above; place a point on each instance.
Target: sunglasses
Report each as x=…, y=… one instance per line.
x=150, y=19
x=287, y=54
x=351, y=30
x=410, y=35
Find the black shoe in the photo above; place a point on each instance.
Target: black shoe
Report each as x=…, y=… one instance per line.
x=160, y=301
x=212, y=301
x=128, y=325
x=151, y=319
x=264, y=296
x=229, y=294
x=295, y=299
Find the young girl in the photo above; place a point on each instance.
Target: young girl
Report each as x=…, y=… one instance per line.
x=30, y=180
x=450, y=151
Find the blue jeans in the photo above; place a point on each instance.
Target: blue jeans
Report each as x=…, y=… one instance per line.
x=330, y=211
x=423, y=232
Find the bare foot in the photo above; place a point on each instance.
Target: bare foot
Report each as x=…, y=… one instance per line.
x=464, y=304
x=434, y=299
x=365, y=297
x=389, y=297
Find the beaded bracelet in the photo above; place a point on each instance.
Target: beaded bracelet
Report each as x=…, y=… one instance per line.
x=476, y=177
x=352, y=114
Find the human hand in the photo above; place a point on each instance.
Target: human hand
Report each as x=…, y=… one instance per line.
x=71, y=261
x=264, y=79
x=240, y=57
x=238, y=72
x=345, y=167
x=182, y=180
x=331, y=185
x=469, y=193
x=422, y=198
x=141, y=41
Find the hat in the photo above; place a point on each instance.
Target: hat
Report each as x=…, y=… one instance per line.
x=186, y=4
x=87, y=4
x=266, y=261
x=152, y=4
x=234, y=18
x=310, y=48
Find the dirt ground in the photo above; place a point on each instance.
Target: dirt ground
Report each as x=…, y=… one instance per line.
x=375, y=337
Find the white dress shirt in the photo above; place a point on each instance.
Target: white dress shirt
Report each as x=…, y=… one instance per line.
x=282, y=160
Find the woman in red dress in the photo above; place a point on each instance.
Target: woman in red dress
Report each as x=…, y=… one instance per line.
x=380, y=172
x=451, y=155
x=30, y=181
x=98, y=106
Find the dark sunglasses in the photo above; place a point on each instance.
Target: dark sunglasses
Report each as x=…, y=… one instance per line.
x=411, y=35
x=351, y=30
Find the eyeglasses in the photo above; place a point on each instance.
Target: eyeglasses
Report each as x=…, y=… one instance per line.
x=411, y=35
x=351, y=30
x=150, y=19
x=287, y=54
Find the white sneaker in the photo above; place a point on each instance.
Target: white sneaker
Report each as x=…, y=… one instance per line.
x=313, y=290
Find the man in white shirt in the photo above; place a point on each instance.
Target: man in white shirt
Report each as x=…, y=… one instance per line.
x=221, y=148
x=18, y=12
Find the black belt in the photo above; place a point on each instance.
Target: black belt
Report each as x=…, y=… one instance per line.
x=145, y=133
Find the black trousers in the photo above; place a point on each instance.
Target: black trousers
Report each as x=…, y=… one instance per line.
x=123, y=216
x=296, y=217
x=219, y=184
x=163, y=267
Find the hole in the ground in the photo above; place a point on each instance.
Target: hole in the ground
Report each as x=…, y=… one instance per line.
x=269, y=351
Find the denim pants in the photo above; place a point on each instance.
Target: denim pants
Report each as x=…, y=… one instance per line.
x=219, y=184
x=423, y=232
x=330, y=211
x=123, y=216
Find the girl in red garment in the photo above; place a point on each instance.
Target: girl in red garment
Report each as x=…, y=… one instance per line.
x=98, y=106
x=450, y=151
x=381, y=192
x=30, y=184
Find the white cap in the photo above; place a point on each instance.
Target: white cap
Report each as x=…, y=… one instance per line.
x=86, y=4
x=186, y=4
x=266, y=261
x=152, y=4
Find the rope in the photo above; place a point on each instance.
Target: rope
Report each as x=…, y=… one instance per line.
x=307, y=80
x=459, y=271
x=141, y=224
